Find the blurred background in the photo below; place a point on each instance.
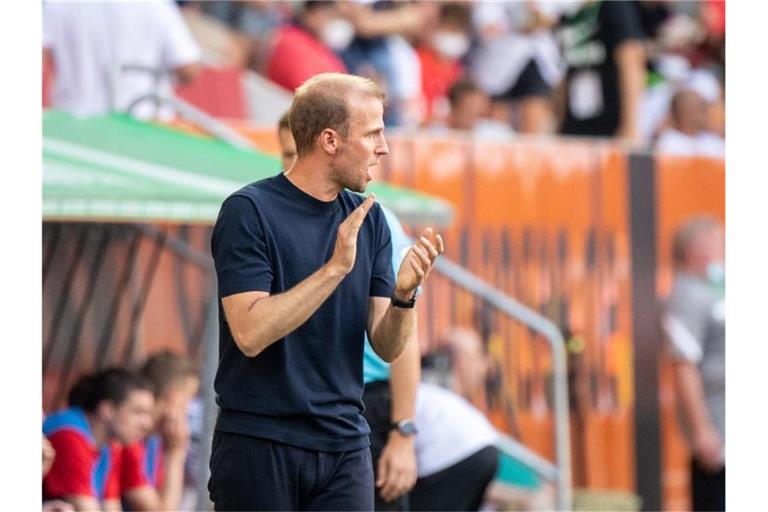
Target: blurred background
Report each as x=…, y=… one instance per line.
x=564, y=149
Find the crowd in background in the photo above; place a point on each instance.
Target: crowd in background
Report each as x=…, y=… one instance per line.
x=650, y=73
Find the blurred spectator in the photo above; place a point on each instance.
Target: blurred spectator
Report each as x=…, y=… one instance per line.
x=694, y=324
x=49, y=453
x=455, y=450
x=605, y=78
x=439, y=55
x=469, y=364
x=111, y=406
x=254, y=23
x=220, y=46
x=517, y=61
x=107, y=54
x=287, y=144
x=469, y=105
x=688, y=134
x=379, y=49
x=305, y=48
x=152, y=470
x=461, y=363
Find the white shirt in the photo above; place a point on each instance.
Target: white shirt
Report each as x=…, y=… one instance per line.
x=450, y=429
x=91, y=41
x=674, y=142
x=500, y=59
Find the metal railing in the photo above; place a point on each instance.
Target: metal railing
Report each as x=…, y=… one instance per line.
x=561, y=471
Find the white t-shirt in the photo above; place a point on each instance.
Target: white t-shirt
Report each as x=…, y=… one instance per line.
x=450, y=429
x=91, y=41
x=500, y=60
x=674, y=142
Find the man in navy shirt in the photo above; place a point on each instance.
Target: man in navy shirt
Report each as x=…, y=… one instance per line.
x=304, y=269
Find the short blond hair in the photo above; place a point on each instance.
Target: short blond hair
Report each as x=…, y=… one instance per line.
x=323, y=101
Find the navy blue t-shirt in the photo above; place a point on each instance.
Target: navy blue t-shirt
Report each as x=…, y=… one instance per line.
x=305, y=389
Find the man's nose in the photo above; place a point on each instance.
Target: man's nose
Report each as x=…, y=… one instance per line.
x=382, y=148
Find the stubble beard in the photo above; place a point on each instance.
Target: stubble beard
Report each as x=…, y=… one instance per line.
x=343, y=178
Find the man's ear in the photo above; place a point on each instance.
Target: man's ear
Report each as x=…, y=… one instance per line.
x=329, y=141
x=106, y=410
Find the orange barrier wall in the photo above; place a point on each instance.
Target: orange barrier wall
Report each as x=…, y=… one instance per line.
x=547, y=223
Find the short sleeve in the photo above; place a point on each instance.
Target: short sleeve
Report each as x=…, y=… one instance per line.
x=239, y=249
x=684, y=325
x=179, y=48
x=383, y=276
x=621, y=22
x=131, y=472
x=72, y=469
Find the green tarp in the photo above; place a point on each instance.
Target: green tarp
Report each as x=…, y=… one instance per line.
x=116, y=168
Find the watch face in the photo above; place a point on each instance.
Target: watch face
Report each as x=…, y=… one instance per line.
x=406, y=427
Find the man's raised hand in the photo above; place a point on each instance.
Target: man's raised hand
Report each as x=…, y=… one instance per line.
x=345, y=251
x=418, y=263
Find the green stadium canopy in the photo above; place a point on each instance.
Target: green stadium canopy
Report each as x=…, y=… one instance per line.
x=116, y=168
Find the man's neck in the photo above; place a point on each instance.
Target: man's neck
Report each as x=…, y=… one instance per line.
x=312, y=177
x=98, y=430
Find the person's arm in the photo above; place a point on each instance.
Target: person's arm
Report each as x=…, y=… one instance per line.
x=83, y=503
x=49, y=453
x=405, y=19
x=707, y=447
x=397, y=464
x=258, y=319
x=390, y=327
x=70, y=475
x=176, y=437
x=112, y=506
x=145, y=497
x=630, y=61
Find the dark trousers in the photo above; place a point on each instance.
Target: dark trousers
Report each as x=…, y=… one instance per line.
x=707, y=489
x=378, y=414
x=458, y=487
x=249, y=473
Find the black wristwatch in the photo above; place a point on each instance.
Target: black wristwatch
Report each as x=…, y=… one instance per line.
x=405, y=427
x=409, y=304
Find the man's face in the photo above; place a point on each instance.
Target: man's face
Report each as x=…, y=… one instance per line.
x=365, y=144
x=132, y=420
x=176, y=398
x=287, y=147
x=469, y=110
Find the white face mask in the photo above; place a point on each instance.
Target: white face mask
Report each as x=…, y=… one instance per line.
x=716, y=273
x=451, y=44
x=337, y=34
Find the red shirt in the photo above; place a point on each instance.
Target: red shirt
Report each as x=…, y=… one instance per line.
x=74, y=468
x=437, y=76
x=298, y=56
x=142, y=465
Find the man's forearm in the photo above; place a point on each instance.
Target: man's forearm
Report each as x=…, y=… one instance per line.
x=173, y=484
x=630, y=57
x=691, y=393
x=395, y=329
x=405, y=373
x=272, y=318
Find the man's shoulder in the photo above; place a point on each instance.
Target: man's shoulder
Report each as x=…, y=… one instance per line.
x=690, y=294
x=258, y=191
